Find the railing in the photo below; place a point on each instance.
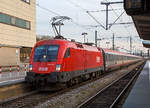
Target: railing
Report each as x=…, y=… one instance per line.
x=13, y=72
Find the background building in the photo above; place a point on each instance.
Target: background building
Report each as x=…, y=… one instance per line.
x=17, y=30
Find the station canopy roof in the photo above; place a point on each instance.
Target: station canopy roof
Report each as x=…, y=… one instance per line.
x=139, y=10
x=146, y=43
x=142, y=24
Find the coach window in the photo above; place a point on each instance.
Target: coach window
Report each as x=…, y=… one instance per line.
x=67, y=54
x=107, y=58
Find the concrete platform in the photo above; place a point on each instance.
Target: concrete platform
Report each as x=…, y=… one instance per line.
x=10, y=82
x=139, y=96
x=9, y=78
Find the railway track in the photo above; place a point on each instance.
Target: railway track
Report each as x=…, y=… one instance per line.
x=29, y=100
x=10, y=103
x=110, y=96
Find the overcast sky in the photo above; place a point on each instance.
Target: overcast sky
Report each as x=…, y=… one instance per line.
x=76, y=10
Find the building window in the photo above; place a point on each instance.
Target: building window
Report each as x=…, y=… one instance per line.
x=6, y=19
x=27, y=1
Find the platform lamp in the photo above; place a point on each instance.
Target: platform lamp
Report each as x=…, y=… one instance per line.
x=84, y=34
x=107, y=44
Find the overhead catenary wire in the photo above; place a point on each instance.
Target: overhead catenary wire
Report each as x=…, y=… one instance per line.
x=72, y=20
x=48, y=10
x=89, y=14
x=38, y=4
x=116, y=19
x=76, y=5
x=105, y=10
x=52, y=12
x=95, y=19
x=57, y=14
x=85, y=10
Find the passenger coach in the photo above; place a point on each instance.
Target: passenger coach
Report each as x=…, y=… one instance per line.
x=116, y=59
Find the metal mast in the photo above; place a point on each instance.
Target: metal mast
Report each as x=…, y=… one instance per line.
x=107, y=5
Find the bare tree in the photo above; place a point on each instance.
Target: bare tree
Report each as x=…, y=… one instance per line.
x=43, y=37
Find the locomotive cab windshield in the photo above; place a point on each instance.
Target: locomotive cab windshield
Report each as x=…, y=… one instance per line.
x=45, y=59
x=46, y=53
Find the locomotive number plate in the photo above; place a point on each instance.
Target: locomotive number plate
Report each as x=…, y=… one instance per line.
x=43, y=69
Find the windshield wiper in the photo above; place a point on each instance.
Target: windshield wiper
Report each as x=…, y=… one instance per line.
x=38, y=60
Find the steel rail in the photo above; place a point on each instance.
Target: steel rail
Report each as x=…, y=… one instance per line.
x=126, y=87
x=93, y=97
x=50, y=95
x=17, y=97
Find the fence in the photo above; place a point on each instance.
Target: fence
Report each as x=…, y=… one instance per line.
x=13, y=72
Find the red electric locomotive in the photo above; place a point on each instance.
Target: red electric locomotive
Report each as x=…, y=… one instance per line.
x=61, y=61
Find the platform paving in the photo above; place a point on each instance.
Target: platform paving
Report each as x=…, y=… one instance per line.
x=139, y=96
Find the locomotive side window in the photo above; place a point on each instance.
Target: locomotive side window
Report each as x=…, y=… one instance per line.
x=67, y=54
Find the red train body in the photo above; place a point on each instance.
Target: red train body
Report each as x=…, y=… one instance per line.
x=61, y=61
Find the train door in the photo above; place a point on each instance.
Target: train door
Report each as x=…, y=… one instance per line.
x=104, y=59
x=67, y=60
x=80, y=57
x=85, y=60
x=76, y=60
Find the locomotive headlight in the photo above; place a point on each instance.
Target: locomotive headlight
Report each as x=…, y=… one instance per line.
x=30, y=67
x=58, y=66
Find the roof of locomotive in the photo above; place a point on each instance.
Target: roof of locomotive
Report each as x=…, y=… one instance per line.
x=67, y=43
x=52, y=41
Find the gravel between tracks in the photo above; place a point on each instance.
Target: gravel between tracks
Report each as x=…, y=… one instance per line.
x=76, y=96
